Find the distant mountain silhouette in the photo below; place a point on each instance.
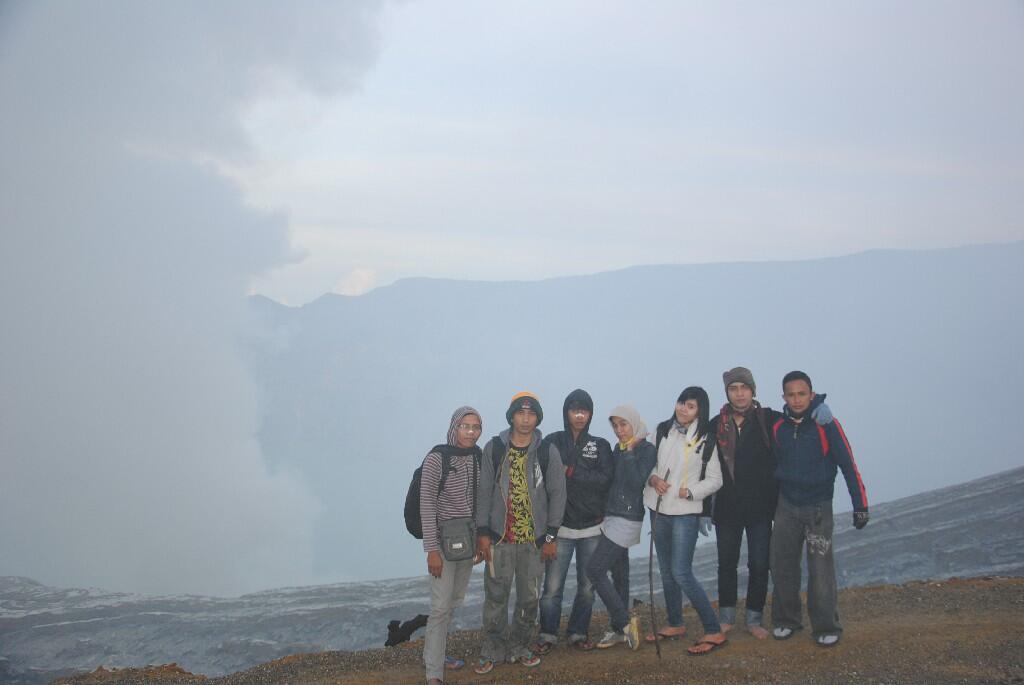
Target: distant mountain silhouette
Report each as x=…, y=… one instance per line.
x=918, y=351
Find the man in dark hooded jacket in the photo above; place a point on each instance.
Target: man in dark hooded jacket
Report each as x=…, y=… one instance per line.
x=588, y=475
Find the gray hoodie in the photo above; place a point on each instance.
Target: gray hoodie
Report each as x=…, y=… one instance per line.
x=547, y=489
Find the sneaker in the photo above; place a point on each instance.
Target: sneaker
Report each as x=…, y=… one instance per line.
x=633, y=633
x=483, y=667
x=782, y=633
x=611, y=638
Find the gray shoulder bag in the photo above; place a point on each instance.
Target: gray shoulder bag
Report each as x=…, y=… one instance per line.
x=458, y=536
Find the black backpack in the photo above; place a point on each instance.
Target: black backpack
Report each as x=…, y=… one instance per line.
x=413, y=522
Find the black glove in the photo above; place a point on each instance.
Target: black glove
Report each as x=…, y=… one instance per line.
x=860, y=519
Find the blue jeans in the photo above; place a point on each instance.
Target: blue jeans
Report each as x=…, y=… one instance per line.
x=675, y=538
x=729, y=537
x=554, y=587
x=614, y=592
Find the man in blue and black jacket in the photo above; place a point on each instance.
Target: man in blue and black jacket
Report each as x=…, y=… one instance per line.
x=588, y=476
x=808, y=459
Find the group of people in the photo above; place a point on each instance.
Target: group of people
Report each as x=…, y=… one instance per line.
x=531, y=503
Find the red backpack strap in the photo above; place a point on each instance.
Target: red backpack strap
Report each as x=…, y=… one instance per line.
x=824, y=441
x=775, y=429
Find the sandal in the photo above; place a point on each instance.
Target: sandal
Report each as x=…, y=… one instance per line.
x=453, y=664
x=827, y=640
x=582, y=645
x=663, y=636
x=483, y=667
x=783, y=632
x=543, y=647
x=696, y=651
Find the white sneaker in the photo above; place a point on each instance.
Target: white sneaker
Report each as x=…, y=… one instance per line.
x=611, y=638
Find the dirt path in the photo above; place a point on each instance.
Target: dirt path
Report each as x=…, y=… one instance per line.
x=957, y=631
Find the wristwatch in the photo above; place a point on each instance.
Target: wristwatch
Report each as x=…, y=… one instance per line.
x=549, y=538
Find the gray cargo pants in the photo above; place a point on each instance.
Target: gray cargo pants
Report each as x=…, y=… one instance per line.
x=795, y=526
x=518, y=563
x=446, y=595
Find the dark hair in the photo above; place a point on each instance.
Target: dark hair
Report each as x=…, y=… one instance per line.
x=796, y=376
x=698, y=393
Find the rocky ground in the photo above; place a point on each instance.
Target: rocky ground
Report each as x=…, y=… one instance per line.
x=954, y=631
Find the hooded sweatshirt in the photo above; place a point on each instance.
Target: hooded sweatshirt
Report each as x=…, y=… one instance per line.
x=588, y=472
x=545, y=488
x=456, y=500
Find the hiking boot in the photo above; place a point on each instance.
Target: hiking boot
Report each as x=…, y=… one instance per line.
x=611, y=638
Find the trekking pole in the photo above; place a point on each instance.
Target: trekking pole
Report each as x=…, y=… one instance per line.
x=650, y=572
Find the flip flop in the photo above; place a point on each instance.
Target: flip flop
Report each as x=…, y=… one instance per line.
x=783, y=632
x=453, y=664
x=650, y=637
x=483, y=667
x=827, y=640
x=542, y=648
x=714, y=646
x=582, y=645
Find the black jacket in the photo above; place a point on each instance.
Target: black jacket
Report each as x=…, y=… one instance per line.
x=751, y=495
x=588, y=468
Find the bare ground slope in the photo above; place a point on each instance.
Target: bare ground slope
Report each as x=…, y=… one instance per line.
x=954, y=631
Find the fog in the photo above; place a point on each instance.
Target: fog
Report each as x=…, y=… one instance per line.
x=162, y=161
x=127, y=419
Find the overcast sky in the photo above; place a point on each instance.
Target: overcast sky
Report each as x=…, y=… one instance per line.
x=163, y=159
x=529, y=140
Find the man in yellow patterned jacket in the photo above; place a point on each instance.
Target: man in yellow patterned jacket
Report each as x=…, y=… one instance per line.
x=520, y=504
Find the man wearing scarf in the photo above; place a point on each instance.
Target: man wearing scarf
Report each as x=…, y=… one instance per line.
x=746, y=502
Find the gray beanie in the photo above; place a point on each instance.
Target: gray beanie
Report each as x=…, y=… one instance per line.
x=739, y=374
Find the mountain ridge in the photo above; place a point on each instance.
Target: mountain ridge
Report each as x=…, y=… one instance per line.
x=414, y=280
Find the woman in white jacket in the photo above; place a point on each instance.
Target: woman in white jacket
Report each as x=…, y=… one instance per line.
x=682, y=480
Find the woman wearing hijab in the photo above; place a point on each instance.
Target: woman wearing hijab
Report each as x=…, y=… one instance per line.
x=457, y=464
x=634, y=457
x=687, y=473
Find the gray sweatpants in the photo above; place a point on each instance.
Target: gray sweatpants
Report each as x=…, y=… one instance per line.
x=446, y=594
x=795, y=526
x=519, y=564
